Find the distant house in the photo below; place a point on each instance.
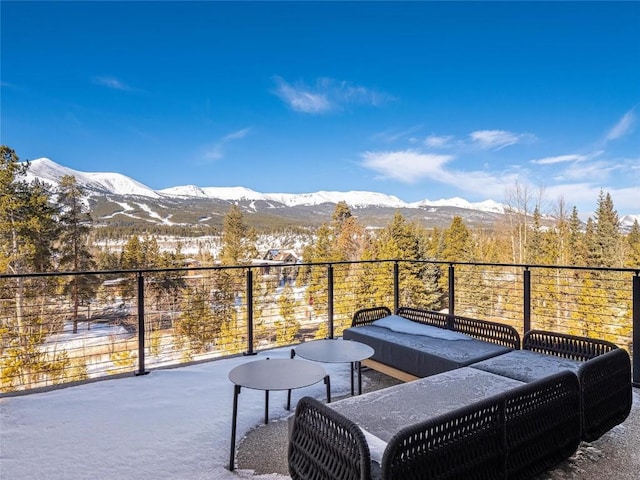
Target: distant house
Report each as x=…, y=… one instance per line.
x=272, y=262
x=281, y=256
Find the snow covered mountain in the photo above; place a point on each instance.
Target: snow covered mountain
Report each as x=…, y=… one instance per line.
x=118, y=184
x=116, y=198
x=115, y=183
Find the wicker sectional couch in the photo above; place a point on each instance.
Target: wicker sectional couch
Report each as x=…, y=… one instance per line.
x=526, y=411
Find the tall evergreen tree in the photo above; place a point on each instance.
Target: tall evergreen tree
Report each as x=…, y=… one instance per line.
x=27, y=226
x=238, y=239
x=457, y=245
x=28, y=232
x=606, y=245
x=75, y=225
x=287, y=328
x=238, y=248
x=633, y=242
x=577, y=241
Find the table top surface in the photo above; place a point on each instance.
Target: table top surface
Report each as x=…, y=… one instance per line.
x=334, y=351
x=277, y=374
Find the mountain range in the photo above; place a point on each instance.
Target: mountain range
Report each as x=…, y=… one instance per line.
x=115, y=199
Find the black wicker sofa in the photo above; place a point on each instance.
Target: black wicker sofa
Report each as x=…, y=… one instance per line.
x=417, y=343
x=517, y=433
x=512, y=414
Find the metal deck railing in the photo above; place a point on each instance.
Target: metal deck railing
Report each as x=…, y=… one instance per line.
x=120, y=322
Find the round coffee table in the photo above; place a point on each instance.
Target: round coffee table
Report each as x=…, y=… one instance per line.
x=336, y=351
x=275, y=374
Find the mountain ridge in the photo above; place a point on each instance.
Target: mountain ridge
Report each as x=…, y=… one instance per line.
x=115, y=198
x=119, y=184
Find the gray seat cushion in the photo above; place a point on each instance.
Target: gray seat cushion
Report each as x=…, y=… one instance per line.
x=527, y=366
x=422, y=355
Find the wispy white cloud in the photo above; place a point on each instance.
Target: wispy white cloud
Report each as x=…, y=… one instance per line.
x=393, y=135
x=497, y=139
x=591, y=171
x=327, y=95
x=216, y=150
x=438, y=141
x=412, y=166
x=236, y=135
x=302, y=99
x=112, y=82
x=574, y=157
x=407, y=166
x=623, y=127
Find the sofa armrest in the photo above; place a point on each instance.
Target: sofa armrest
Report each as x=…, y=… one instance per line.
x=366, y=316
x=493, y=332
x=458, y=444
x=325, y=444
x=543, y=424
x=606, y=391
x=605, y=377
x=566, y=346
x=426, y=317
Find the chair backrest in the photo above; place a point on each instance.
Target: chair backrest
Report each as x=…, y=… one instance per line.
x=365, y=316
x=325, y=445
x=426, y=317
x=563, y=345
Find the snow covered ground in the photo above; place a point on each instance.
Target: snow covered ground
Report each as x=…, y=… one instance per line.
x=171, y=424
x=176, y=424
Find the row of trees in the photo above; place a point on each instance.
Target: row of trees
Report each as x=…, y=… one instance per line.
x=44, y=230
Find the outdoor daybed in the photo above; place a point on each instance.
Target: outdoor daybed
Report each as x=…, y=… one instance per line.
x=460, y=424
x=417, y=343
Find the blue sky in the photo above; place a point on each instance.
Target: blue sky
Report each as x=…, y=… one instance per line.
x=422, y=100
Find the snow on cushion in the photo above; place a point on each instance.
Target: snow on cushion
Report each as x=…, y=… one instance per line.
x=376, y=446
x=403, y=325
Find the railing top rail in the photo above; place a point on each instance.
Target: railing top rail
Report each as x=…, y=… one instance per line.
x=523, y=266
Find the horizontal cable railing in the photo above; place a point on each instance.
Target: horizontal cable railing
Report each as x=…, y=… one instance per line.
x=57, y=328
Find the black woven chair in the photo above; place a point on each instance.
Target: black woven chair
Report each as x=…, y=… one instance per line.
x=325, y=445
x=605, y=377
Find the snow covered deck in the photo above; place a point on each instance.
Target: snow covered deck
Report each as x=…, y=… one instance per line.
x=175, y=424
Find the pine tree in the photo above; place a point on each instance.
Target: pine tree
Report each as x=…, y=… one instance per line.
x=287, y=328
x=197, y=322
x=28, y=232
x=238, y=239
x=238, y=249
x=457, y=245
x=607, y=234
x=317, y=290
x=577, y=241
x=633, y=242
x=75, y=223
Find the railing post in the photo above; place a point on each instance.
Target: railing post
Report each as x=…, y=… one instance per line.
x=636, y=330
x=330, y=299
x=526, y=301
x=141, y=327
x=452, y=289
x=396, y=286
x=249, y=295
